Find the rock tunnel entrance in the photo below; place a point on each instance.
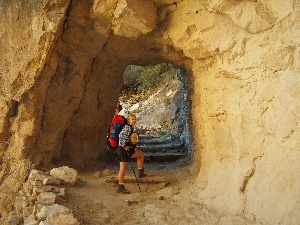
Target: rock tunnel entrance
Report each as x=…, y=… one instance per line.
x=160, y=97
x=78, y=105
x=63, y=65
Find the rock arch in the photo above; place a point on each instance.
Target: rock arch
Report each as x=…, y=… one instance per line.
x=61, y=74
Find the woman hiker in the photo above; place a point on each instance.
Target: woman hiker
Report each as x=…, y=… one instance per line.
x=125, y=151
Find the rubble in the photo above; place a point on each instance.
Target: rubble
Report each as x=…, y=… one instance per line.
x=38, y=200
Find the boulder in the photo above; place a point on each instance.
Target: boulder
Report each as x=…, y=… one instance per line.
x=65, y=173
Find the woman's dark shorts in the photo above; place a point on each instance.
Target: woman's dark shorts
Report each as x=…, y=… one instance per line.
x=124, y=156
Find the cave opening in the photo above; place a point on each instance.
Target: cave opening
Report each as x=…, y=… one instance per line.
x=159, y=95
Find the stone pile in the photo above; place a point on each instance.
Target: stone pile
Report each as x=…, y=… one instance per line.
x=37, y=202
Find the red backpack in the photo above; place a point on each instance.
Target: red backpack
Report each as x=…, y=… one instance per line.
x=115, y=128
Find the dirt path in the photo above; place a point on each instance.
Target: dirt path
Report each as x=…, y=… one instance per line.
x=93, y=201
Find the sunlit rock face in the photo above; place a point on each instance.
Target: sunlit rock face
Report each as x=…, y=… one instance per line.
x=134, y=18
x=61, y=72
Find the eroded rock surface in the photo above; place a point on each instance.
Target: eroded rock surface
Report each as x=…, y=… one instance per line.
x=61, y=71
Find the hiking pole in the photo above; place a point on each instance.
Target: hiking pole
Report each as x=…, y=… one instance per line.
x=135, y=176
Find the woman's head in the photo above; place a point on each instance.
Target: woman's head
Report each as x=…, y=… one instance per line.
x=131, y=119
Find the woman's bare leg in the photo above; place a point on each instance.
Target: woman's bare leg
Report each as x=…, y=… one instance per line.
x=122, y=171
x=139, y=156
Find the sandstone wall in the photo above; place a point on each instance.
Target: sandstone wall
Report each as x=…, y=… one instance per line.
x=28, y=35
x=61, y=73
x=248, y=110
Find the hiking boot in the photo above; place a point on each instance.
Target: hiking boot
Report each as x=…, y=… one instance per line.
x=122, y=189
x=141, y=173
